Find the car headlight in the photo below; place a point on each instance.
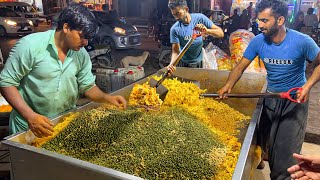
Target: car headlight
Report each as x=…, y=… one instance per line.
x=120, y=31
x=30, y=22
x=11, y=23
x=135, y=28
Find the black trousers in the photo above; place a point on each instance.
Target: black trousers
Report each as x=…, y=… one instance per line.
x=281, y=131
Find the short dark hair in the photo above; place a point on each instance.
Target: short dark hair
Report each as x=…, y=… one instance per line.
x=78, y=17
x=177, y=3
x=278, y=7
x=310, y=11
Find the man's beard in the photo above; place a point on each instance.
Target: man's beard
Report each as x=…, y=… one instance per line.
x=271, y=32
x=184, y=19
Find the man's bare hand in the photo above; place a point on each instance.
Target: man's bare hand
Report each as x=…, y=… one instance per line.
x=223, y=90
x=40, y=125
x=171, y=69
x=118, y=101
x=202, y=28
x=302, y=96
x=307, y=168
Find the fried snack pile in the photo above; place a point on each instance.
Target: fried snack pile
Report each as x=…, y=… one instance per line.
x=144, y=96
x=181, y=93
x=198, y=134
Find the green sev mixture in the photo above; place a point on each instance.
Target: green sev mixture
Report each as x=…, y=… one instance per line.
x=168, y=144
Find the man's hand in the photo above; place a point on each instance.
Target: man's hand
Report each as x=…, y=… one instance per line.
x=40, y=125
x=307, y=168
x=302, y=96
x=171, y=69
x=202, y=28
x=118, y=101
x=225, y=89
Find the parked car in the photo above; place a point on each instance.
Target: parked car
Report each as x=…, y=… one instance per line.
x=116, y=33
x=24, y=10
x=12, y=23
x=112, y=31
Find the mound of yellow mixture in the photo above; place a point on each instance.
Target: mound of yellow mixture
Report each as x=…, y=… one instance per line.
x=185, y=129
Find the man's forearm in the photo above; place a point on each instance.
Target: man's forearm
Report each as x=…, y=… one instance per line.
x=96, y=95
x=174, y=57
x=217, y=32
x=234, y=76
x=315, y=77
x=13, y=97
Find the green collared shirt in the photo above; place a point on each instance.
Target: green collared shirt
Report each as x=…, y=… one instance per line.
x=46, y=84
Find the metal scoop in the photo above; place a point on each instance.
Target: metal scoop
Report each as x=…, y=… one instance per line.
x=161, y=90
x=283, y=95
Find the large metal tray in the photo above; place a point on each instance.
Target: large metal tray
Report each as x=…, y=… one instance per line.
x=31, y=163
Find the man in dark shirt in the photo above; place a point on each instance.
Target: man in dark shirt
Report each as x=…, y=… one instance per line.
x=235, y=21
x=249, y=9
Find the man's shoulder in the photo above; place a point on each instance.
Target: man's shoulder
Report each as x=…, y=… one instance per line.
x=298, y=39
x=37, y=39
x=39, y=35
x=258, y=38
x=175, y=25
x=296, y=35
x=82, y=53
x=198, y=16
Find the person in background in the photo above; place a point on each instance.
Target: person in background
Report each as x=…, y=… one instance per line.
x=181, y=32
x=153, y=17
x=105, y=7
x=114, y=13
x=308, y=167
x=249, y=10
x=207, y=13
x=284, y=53
x=235, y=21
x=311, y=19
x=244, y=20
x=47, y=71
x=298, y=21
x=254, y=26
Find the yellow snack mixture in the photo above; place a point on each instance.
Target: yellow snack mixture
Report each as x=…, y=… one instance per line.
x=144, y=96
x=223, y=120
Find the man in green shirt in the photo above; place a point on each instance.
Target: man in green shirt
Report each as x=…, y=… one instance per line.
x=46, y=72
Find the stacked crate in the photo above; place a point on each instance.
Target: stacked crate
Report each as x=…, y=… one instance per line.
x=110, y=80
x=103, y=79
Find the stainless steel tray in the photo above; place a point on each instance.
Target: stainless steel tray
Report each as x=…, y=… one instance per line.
x=31, y=163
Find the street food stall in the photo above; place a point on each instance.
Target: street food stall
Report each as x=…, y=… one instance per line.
x=29, y=162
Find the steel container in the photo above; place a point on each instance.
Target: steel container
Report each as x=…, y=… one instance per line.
x=31, y=163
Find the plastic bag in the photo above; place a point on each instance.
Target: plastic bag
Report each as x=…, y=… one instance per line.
x=239, y=41
x=209, y=59
x=222, y=59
